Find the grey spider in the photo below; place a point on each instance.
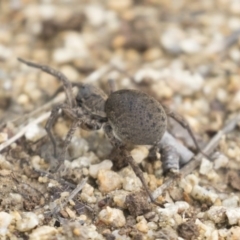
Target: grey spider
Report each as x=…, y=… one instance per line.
x=128, y=117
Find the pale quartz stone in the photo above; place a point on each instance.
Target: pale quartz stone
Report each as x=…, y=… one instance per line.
x=35, y=132
x=28, y=221
x=78, y=147
x=130, y=181
x=139, y=154
x=142, y=225
x=43, y=233
x=221, y=161
x=5, y=220
x=206, y=166
x=182, y=206
x=95, y=168
x=3, y=137
x=70, y=71
x=108, y=181
x=192, y=179
x=232, y=201
x=88, y=189
x=217, y=214
x=113, y=217
x=203, y=194
x=186, y=186
x=233, y=215
x=233, y=233
x=120, y=197
x=205, y=231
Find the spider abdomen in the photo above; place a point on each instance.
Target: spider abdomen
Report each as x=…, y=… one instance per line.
x=136, y=118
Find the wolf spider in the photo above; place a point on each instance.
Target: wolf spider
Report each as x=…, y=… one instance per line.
x=128, y=117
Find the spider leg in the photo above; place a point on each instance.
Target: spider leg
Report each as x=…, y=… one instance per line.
x=129, y=159
x=178, y=118
x=66, y=83
x=51, y=120
x=68, y=139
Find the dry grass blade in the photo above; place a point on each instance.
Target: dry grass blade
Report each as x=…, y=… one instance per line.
x=11, y=140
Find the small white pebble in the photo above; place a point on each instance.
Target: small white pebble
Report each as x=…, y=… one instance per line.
x=233, y=233
x=28, y=221
x=43, y=233
x=5, y=220
x=119, y=198
x=203, y=194
x=104, y=165
x=139, y=154
x=108, y=181
x=221, y=161
x=232, y=201
x=142, y=225
x=35, y=132
x=113, y=217
x=233, y=215
x=217, y=214
x=182, y=206
x=88, y=189
x=3, y=137
x=205, y=167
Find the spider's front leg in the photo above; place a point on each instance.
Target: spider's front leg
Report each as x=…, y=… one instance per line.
x=79, y=118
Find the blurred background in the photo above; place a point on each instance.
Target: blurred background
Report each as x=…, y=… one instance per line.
x=185, y=53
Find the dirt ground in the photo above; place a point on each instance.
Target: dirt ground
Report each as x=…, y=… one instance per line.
x=185, y=54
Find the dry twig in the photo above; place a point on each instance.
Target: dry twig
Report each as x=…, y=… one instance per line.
x=195, y=162
x=78, y=188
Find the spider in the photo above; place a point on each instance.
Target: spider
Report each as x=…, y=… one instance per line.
x=128, y=118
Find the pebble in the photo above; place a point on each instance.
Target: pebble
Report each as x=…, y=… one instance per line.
x=35, y=132
x=112, y=216
x=104, y=165
x=220, y=162
x=129, y=180
x=233, y=215
x=71, y=73
x=139, y=154
x=233, y=233
x=202, y=194
x=205, y=167
x=78, y=147
x=232, y=201
x=119, y=198
x=95, y=14
x=5, y=220
x=28, y=221
x=217, y=214
x=43, y=233
x=108, y=181
x=170, y=40
x=142, y=225
x=74, y=48
x=119, y=5
x=3, y=137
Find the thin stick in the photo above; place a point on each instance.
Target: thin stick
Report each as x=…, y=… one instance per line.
x=195, y=162
x=75, y=191
x=11, y=140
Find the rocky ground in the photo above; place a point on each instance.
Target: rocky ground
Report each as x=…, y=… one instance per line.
x=184, y=53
